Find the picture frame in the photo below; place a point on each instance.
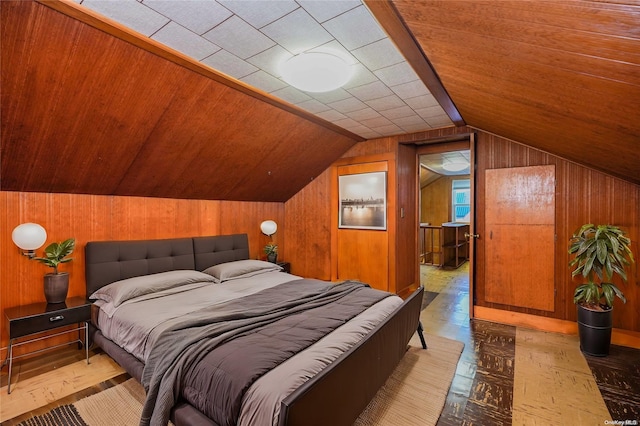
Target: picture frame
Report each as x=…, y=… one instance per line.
x=362, y=201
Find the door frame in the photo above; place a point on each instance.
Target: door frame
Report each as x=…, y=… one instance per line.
x=462, y=142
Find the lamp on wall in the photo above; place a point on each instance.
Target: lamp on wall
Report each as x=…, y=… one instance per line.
x=29, y=237
x=269, y=227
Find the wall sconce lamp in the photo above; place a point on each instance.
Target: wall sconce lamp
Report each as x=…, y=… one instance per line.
x=29, y=237
x=268, y=227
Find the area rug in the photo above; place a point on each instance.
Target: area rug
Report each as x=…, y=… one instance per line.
x=415, y=394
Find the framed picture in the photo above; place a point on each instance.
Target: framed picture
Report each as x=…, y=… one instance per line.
x=363, y=201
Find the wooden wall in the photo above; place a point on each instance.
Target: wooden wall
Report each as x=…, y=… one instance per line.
x=583, y=195
x=96, y=217
x=407, y=261
x=147, y=121
x=309, y=217
x=435, y=201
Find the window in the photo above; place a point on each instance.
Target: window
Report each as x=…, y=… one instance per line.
x=461, y=197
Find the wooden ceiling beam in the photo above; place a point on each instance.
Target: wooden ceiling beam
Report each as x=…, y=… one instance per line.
x=388, y=17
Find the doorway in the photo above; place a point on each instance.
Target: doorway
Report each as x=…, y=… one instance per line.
x=445, y=199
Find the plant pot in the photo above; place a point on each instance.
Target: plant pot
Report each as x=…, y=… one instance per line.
x=56, y=287
x=272, y=257
x=594, y=328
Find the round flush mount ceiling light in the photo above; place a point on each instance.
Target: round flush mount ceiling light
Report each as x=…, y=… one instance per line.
x=455, y=166
x=316, y=72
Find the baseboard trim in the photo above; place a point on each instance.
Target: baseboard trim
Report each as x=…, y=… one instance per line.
x=618, y=336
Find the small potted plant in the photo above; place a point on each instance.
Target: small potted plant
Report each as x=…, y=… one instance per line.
x=56, y=284
x=601, y=251
x=271, y=250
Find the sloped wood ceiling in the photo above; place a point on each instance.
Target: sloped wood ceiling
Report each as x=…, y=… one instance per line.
x=561, y=76
x=83, y=111
x=86, y=112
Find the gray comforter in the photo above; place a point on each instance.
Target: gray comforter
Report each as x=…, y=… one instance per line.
x=262, y=329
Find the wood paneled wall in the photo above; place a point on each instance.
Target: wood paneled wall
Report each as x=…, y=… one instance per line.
x=147, y=121
x=435, y=203
x=358, y=252
x=583, y=195
x=97, y=217
x=407, y=262
x=309, y=217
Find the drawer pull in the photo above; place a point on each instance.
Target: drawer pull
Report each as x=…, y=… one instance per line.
x=56, y=318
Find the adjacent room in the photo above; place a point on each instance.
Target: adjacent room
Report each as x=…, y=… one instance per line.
x=325, y=212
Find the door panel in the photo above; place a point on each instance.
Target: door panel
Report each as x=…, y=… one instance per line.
x=519, y=236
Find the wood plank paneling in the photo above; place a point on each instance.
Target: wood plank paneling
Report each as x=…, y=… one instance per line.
x=407, y=263
x=359, y=251
x=245, y=217
x=86, y=112
x=312, y=217
x=389, y=20
x=95, y=218
x=436, y=201
x=308, y=217
x=523, y=70
x=583, y=195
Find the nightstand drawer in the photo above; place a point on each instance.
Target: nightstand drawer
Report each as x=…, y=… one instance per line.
x=25, y=320
x=47, y=320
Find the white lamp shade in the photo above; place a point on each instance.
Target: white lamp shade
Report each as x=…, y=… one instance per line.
x=268, y=227
x=29, y=236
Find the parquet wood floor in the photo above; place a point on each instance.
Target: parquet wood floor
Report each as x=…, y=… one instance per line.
x=509, y=375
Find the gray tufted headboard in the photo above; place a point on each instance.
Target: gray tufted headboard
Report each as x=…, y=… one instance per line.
x=110, y=261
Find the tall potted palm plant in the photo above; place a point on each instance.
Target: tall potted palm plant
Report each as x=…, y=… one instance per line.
x=601, y=251
x=56, y=284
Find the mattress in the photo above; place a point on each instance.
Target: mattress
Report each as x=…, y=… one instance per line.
x=136, y=324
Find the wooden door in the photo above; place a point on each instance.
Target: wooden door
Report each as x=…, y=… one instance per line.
x=519, y=236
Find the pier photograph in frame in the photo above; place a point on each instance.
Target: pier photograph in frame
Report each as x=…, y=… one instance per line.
x=363, y=201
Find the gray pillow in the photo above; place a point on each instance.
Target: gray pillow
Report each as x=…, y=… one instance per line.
x=240, y=269
x=123, y=290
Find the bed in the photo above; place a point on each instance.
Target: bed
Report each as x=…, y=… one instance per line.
x=327, y=371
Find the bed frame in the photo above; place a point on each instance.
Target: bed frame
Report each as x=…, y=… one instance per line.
x=335, y=396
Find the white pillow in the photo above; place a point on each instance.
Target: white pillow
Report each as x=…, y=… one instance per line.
x=123, y=290
x=240, y=269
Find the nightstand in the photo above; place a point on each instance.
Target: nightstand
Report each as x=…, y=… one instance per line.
x=27, y=320
x=286, y=267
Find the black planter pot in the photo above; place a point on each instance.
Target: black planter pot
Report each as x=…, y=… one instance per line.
x=594, y=328
x=272, y=257
x=56, y=287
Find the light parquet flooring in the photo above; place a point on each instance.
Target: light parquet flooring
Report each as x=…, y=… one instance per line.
x=30, y=393
x=511, y=375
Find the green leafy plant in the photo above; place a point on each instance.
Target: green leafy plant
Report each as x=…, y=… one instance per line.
x=271, y=248
x=56, y=253
x=600, y=252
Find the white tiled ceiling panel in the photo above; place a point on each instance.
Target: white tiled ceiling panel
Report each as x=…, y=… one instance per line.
x=248, y=40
